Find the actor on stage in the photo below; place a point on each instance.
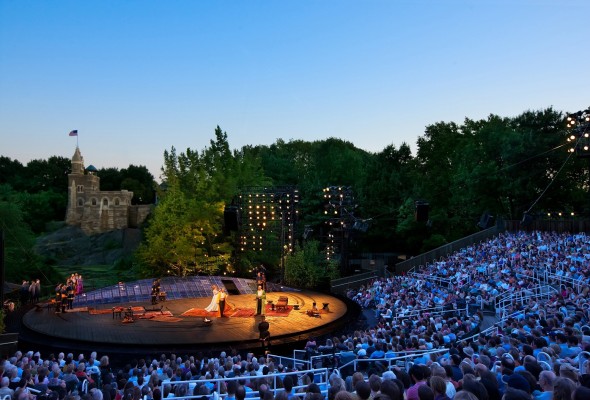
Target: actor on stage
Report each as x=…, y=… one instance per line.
x=64, y=297
x=260, y=300
x=155, y=291
x=222, y=297
x=70, y=294
x=80, y=284
x=214, y=305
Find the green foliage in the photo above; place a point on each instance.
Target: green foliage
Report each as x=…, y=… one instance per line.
x=140, y=181
x=110, y=178
x=43, y=175
x=307, y=266
x=100, y=275
x=19, y=240
x=136, y=179
x=42, y=207
x=112, y=244
x=184, y=234
x=497, y=165
x=39, y=189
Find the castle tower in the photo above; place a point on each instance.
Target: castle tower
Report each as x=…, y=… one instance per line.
x=97, y=211
x=81, y=187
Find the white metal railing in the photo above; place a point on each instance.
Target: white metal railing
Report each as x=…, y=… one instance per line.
x=506, y=304
x=445, y=282
x=321, y=377
x=576, y=284
x=432, y=312
x=302, y=359
x=394, y=361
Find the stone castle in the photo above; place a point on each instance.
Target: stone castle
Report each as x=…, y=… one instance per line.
x=96, y=211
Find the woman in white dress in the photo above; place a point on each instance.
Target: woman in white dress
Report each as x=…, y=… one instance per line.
x=214, y=305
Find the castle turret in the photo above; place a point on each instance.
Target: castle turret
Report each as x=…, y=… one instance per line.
x=82, y=188
x=77, y=163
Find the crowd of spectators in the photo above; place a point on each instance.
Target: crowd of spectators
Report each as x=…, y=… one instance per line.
x=541, y=351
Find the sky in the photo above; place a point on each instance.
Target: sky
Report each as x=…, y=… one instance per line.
x=138, y=77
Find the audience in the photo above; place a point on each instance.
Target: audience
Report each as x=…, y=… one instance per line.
x=539, y=350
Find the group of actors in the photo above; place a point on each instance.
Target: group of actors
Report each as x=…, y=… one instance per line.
x=156, y=291
x=218, y=302
x=65, y=293
x=30, y=291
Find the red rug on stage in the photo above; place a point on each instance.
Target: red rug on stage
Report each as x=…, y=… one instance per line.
x=136, y=310
x=152, y=314
x=199, y=312
x=243, y=313
x=100, y=311
x=278, y=313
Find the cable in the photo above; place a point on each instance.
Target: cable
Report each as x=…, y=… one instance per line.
x=560, y=168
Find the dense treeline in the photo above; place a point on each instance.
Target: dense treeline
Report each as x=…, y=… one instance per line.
x=33, y=200
x=498, y=165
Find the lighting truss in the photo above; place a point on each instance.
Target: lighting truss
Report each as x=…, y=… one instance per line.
x=268, y=218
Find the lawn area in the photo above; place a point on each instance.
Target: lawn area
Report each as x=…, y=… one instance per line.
x=99, y=276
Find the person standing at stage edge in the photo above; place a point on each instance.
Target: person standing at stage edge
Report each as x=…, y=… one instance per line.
x=260, y=300
x=70, y=293
x=222, y=297
x=264, y=331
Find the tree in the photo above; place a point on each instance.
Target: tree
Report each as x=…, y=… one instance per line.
x=307, y=267
x=19, y=241
x=184, y=233
x=50, y=174
x=110, y=178
x=11, y=172
x=141, y=182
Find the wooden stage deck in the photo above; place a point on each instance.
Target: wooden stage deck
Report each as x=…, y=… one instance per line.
x=85, y=330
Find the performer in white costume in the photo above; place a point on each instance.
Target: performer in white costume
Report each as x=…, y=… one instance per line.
x=214, y=305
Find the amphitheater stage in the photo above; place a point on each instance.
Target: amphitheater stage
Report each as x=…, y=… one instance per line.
x=98, y=320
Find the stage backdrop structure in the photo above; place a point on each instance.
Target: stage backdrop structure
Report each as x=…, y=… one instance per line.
x=267, y=220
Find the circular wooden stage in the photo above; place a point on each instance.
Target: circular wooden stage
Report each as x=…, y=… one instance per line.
x=178, y=324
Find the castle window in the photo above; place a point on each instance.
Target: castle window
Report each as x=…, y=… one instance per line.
x=80, y=202
x=93, y=202
x=80, y=188
x=105, y=202
x=117, y=201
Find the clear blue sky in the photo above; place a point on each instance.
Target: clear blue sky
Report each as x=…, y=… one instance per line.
x=137, y=77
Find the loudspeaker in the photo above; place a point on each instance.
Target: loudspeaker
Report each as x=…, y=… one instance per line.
x=421, y=212
x=231, y=218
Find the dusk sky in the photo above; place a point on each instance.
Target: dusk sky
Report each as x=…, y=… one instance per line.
x=138, y=77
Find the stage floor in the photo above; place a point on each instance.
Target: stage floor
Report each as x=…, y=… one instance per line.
x=183, y=326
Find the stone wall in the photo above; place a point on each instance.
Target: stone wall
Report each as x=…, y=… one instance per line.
x=138, y=214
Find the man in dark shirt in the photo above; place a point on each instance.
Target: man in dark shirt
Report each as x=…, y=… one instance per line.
x=263, y=329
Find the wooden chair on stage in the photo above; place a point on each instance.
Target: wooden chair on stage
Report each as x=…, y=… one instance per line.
x=282, y=303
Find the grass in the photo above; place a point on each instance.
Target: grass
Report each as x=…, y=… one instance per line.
x=99, y=276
